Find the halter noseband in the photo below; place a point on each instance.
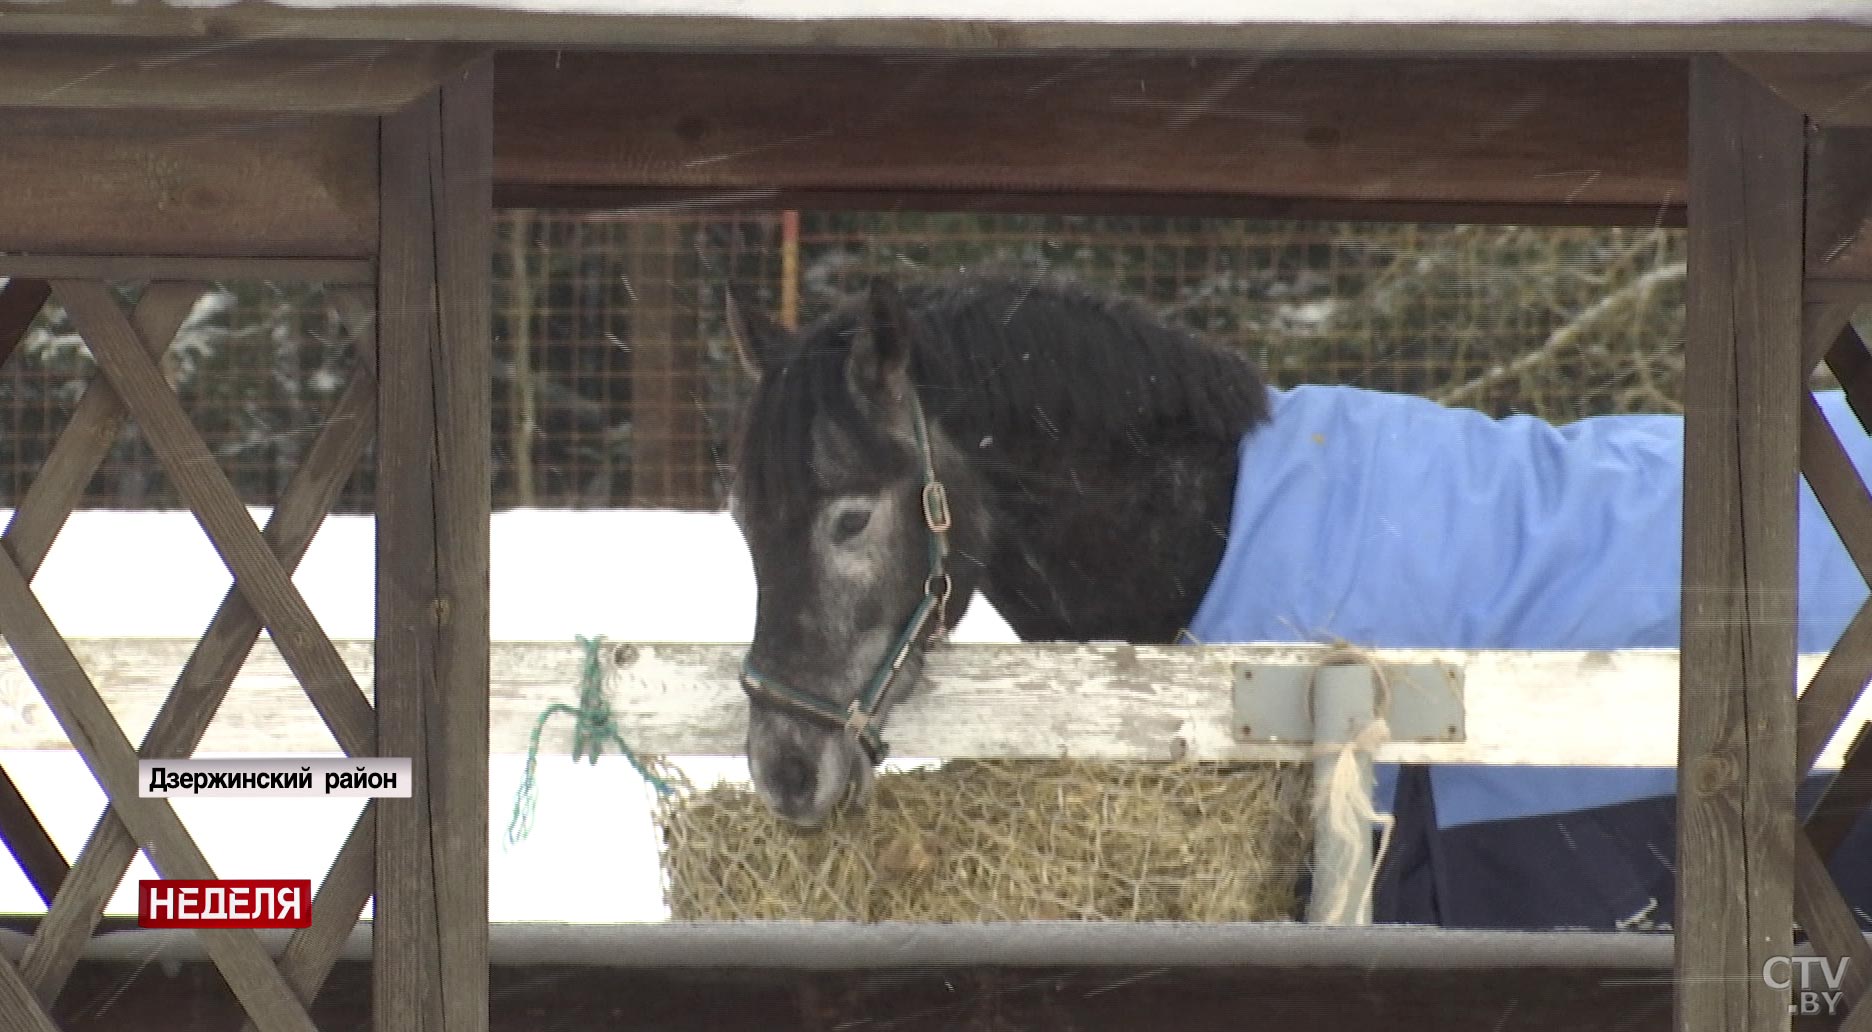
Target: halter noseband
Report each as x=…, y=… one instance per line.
x=864, y=717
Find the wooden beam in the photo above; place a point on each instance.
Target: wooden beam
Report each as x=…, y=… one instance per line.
x=175, y=722
x=20, y=301
x=88, y=723
x=1034, y=701
x=204, y=487
x=1847, y=798
x=981, y=27
x=1831, y=925
x=1558, y=136
x=91, y=432
x=249, y=75
x=116, y=267
x=202, y=185
x=1824, y=325
x=1836, y=484
x=312, y=951
x=1831, y=292
x=1858, y=1020
x=1410, y=990
x=19, y=1012
x=653, y=201
x=1851, y=365
x=433, y=526
x=1835, y=90
x=1839, y=203
x=20, y=831
x=1829, y=922
x=1742, y=390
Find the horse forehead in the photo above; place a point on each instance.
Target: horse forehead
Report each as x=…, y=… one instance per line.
x=833, y=458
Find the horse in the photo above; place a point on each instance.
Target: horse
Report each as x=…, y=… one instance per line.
x=1097, y=473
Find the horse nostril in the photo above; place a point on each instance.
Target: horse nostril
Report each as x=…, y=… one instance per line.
x=793, y=777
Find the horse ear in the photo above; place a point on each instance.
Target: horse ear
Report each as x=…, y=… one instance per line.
x=879, y=366
x=757, y=338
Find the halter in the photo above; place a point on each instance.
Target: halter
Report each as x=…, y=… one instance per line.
x=864, y=717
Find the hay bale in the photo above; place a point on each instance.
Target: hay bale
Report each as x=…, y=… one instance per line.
x=1004, y=840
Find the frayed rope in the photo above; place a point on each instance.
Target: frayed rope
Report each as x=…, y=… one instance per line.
x=1343, y=812
x=593, y=726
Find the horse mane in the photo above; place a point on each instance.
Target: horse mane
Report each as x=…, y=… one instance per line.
x=1029, y=361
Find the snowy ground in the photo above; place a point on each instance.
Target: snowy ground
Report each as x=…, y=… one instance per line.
x=626, y=575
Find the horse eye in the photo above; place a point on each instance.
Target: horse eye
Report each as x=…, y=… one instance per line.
x=849, y=523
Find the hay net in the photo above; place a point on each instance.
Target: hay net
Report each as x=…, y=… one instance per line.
x=1003, y=840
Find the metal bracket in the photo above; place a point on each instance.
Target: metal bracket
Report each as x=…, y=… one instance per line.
x=1272, y=704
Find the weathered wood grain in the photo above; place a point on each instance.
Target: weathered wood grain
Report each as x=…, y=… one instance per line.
x=255, y=75
x=1505, y=132
x=117, y=267
x=115, y=183
x=1668, y=213
x=457, y=714
x=767, y=27
x=19, y=1012
x=1859, y=1019
x=1832, y=89
x=90, y=433
x=21, y=833
x=433, y=526
x=1833, y=290
x=209, y=668
x=1834, y=696
x=1851, y=365
x=88, y=724
x=1842, y=494
x=20, y=301
x=1829, y=922
x=48, y=502
x=1839, y=199
x=1847, y=798
x=1836, y=483
x=1742, y=388
x=1116, y=702
x=405, y=951
x=202, y=484
x=311, y=952
x=1822, y=323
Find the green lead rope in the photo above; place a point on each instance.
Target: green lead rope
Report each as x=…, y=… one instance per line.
x=593, y=726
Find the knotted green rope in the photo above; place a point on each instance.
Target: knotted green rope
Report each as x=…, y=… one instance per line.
x=593, y=726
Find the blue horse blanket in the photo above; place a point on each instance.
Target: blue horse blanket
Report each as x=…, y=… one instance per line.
x=1391, y=521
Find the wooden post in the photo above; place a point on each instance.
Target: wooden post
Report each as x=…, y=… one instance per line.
x=434, y=411
x=1742, y=391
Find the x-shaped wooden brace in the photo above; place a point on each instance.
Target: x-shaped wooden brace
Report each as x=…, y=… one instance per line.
x=39, y=856
x=1828, y=336
x=263, y=596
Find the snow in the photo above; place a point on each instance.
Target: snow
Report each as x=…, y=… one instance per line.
x=629, y=575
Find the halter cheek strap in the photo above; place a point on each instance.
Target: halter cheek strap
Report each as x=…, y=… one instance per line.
x=863, y=718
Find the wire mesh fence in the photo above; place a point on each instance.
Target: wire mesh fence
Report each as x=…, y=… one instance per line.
x=615, y=382
x=256, y=367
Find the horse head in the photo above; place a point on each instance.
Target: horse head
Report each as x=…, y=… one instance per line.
x=1070, y=455
x=862, y=522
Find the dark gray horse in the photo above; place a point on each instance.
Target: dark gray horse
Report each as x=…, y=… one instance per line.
x=1070, y=456
x=1100, y=475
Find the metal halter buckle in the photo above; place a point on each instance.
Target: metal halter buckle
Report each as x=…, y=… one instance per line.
x=936, y=506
